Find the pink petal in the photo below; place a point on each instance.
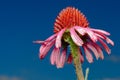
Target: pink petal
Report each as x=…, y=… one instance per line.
x=46, y=41
x=100, y=53
x=99, y=50
x=100, y=36
x=69, y=60
x=109, y=41
x=53, y=55
x=81, y=56
x=59, y=37
x=91, y=47
x=105, y=37
x=81, y=30
x=62, y=59
x=78, y=41
x=57, y=58
x=100, y=31
x=51, y=37
x=45, y=48
x=91, y=35
x=88, y=54
x=43, y=54
x=38, y=42
x=105, y=46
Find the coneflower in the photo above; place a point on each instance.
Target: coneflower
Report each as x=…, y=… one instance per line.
x=72, y=28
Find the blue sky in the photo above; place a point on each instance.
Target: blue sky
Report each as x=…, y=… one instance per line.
x=23, y=21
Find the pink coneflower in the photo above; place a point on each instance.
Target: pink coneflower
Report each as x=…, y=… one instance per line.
x=73, y=24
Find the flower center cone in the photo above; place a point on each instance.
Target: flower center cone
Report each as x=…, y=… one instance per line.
x=68, y=18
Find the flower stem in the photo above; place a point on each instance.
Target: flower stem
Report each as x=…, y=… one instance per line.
x=76, y=56
x=76, y=60
x=78, y=68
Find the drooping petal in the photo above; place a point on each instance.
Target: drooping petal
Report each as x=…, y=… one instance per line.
x=58, y=39
x=53, y=56
x=94, y=50
x=105, y=46
x=57, y=58
x=42, y=47
x=78, y=41
x=38, y=42
x=81, y=56
x=69, y=60
x=108, y=40
x=99, y=50
x=62, y=59
x=100, y=36
x=81, y=30
x=46, y=41
x=51, y=37
x=88, y=54
x=100, y=31
x=45, y=48
x=91, y=34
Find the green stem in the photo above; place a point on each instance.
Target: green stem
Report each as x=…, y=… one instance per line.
x=75, y=55
x=76, y=60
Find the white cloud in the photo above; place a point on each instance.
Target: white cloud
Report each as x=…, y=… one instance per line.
x=109, y=79
x=4, y=77
x=113, y=58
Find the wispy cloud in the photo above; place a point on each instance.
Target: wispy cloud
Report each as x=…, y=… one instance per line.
x=113, y=58
x=4, y=77
x=109, y=78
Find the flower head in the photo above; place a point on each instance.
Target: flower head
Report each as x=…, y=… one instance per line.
x=72, y=23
